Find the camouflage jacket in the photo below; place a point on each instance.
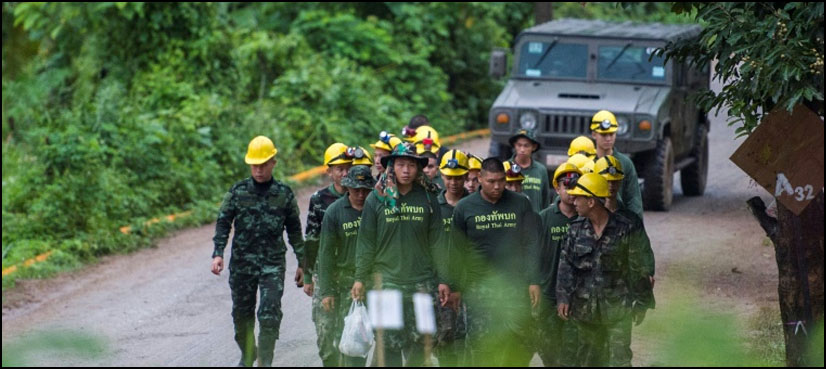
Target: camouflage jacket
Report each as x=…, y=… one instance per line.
x=260, y=214
x=603, y=278
x=319, y=202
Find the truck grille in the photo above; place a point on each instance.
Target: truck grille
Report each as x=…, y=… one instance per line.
x=566, y=123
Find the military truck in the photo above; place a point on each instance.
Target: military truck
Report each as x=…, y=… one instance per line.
x=564, y=71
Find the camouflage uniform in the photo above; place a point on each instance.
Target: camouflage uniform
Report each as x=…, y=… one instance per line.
x=604, y=281
x=260, y=213
x=324, y=322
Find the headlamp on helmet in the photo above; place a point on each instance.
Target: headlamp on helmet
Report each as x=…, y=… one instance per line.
x=514, y=170
x=354, y=152
x=408, y=132
x=384, y=137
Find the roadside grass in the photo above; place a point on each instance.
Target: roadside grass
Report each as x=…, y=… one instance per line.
x=766, y=332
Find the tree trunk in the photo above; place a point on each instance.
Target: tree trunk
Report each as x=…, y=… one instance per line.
x=542, y=12
x=798, y=244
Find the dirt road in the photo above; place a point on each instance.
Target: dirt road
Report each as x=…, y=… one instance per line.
x=162, y=307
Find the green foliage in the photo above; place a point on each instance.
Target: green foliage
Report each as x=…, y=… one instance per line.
x=57, y=342
x=767, y=54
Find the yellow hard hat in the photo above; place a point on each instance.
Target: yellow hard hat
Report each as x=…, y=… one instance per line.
x=610, y=168
x=427, y=139
x=337, y=154
x=590, y=185
x=564, y=169
x=387, y=141
x=260, y=150
x=604, y=122
x=365, y=158
x=579, y=160
x=588, y=167
x=474, y=162
x=513, y=172
x=454, y=163
x=582, y=145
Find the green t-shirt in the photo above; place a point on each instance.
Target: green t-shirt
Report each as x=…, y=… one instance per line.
x=553, y=231
x=537, y=185
x=337, y=253
x=403, y=247
x=495, y=238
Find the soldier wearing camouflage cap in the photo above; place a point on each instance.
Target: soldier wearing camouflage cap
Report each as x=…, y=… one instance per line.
x=261, y=208
x=536, y=184
x=602, y=283
x=337, y=255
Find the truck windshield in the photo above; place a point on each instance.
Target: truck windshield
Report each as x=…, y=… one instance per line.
x=553, y=59
x=629, y=63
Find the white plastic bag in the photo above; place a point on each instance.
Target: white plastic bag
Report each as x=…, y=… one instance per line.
x=357, y=336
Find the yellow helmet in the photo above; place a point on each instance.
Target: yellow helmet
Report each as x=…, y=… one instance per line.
x=427, y=139
x=604, y=122
x=387, y=141
x=579, y=160
x=564, y=169
x=588, y=167
x=336, y=154
x=582, y=145
x=474, y=162
x=610, y=168
x=260, y=150
x=590, y=185
x=513, y=172
x=361, y=157
x=454, y=164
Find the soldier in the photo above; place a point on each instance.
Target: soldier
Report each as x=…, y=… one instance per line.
x=400, y=239
x=383, y=147
x=494, y=231
x=536, y=184
x=337, y=254
x=611, y=169
x=513, y=177
x=427, y=145
x=582, y=145
x=604, y=132
x=452, y=328
x=261, y=208
x=556, y=341
x=602, y=284
x=338, y=159
x=474, y=167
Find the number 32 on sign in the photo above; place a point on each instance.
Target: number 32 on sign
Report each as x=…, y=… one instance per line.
x=783, y=187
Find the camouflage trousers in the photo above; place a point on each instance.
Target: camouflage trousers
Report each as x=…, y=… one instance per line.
x=244, y=289
x=604, y=344
x=450, y=340
x=406, y=346
x=555, y=339
x=325, y=328
x=499, y=327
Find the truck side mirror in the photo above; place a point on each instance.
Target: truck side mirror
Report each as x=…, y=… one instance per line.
x=498, y=63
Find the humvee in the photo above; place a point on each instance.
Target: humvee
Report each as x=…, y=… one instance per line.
x=564, y=71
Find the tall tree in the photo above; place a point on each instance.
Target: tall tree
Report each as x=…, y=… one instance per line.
x=768, y=55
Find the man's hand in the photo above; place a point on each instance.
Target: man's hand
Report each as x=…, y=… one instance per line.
x=562, y=311
x=652, y=280
x=217, y=265
x=455, y=300
x=299, y=278
x=308, y=289
x=536, y=295
x=637, y=316
x=328, y=303
x=357, y=292
x=444, y=294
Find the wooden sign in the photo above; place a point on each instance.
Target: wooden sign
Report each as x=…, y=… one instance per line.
x=785, y=156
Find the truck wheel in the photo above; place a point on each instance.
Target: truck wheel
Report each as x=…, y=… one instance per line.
x=659, y=177
x=693, y=177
